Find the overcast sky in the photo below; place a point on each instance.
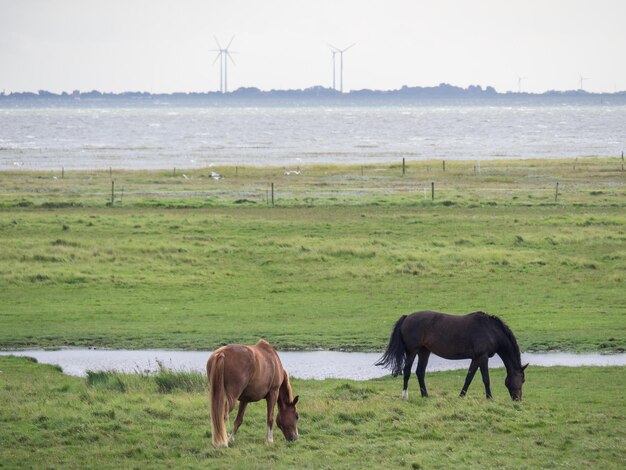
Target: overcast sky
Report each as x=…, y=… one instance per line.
x=164, y=45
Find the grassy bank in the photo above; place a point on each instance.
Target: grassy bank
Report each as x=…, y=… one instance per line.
x=581, y=181
x=570, y=418
x=192, y=262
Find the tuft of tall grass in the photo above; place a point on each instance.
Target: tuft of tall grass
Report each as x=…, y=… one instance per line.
x=106, y=380
x=168, y=380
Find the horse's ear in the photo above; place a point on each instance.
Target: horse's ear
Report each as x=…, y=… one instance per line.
x=524, y=366
x=295, y=400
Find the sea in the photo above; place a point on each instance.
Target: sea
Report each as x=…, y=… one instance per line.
x=161, y=135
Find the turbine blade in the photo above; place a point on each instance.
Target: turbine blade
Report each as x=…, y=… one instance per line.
x=230, y=57
x=349, y=47
x=333, y=48
x=231, y=41
x=217, y=42
x=217, y=57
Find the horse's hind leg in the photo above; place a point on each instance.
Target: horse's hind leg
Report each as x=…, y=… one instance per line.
x=470, y=375
x=408, y=365
x=239, y=419
x=422, y=362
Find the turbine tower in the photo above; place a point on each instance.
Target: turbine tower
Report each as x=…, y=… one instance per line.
x=582, y=80
x=519, y=83
x=223, y=54
x=336, y=50
x=333, y=51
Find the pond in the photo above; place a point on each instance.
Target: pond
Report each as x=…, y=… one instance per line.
x=305, y=365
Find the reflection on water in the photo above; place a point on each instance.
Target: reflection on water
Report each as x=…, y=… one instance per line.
x=305, y=365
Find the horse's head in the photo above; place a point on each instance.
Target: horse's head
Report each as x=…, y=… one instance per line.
x=287, y=419
x=514, y=381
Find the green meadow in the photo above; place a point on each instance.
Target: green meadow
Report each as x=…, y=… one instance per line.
x=570, y=418
x=178, y=259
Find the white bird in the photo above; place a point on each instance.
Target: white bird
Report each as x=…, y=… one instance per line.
x=216, y=176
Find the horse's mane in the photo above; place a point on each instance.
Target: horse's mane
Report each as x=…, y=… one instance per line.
x=287, y=383
x=509, y=334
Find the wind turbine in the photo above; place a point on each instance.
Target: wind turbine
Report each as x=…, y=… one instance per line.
x=519, y=83
x=336, y=50
x=223, y=54
x=582, y=80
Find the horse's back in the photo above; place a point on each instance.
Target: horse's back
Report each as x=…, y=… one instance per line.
x=446, y=335
x=433, y=319
x=249, y=371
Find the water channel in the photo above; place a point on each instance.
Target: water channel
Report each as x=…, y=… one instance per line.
x=305, y=365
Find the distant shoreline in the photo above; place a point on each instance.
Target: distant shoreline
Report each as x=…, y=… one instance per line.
x=443, y=93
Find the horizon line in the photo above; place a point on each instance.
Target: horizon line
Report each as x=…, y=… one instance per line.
x=487, y=90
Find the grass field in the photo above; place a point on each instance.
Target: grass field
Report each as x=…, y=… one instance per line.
x=570, y=418
x=180, y=260
x=192, y=263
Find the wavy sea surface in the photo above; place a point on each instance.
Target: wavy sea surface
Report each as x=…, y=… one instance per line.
x=152, y=137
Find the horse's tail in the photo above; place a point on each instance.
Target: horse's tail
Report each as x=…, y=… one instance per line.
x=218, y=402
x=395, y=355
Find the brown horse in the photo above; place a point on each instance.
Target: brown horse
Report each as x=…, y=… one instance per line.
x=476, y=336
x=247, y=374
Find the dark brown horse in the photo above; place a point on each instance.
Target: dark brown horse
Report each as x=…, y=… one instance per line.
x=476, y=336
x=249, y=373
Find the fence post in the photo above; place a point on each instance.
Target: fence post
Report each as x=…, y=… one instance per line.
x=556, y=193
x=62, y=172
x=432, y=190
x=403, y=167
x=444, y=165
x=112, y=192
x=272, y=194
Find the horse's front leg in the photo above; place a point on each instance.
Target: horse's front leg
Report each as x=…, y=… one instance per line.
x=484, y=371
x=470, y=375
x=272, y=398
x=238, y=420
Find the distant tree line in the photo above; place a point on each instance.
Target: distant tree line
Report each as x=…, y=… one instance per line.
x=442, y=91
